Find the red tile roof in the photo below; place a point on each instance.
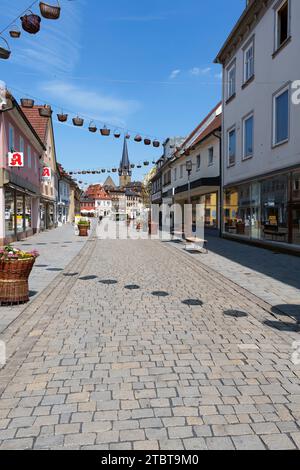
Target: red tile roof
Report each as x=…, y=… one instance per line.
x=213, y=126
x=96, y=191
x=39, y=123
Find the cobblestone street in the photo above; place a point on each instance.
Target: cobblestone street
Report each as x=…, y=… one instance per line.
x=136, y=345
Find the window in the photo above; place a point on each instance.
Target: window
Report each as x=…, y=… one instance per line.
x=281, y=117
x=231, y=81
x=198, y=162
x=231, y=146
x=210, y=156
x=11, y=138
x=181, y=171
x=29, y=156
x=248, y=137
x=249, y=62
x=175, y=174
x=21, y=145
x=282, y=24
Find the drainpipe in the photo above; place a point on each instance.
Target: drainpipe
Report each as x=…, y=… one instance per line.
x=219, y=136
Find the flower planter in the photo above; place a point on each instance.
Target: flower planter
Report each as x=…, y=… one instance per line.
x=31, y=23
x=50, y=12
x=14, y=276
x=83, y=230
x=27, y=103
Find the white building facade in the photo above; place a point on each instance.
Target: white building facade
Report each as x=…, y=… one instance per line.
x=261, y=138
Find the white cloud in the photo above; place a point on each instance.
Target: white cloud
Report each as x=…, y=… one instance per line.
x=196, y=71
x=174, y=74
x=94, y=104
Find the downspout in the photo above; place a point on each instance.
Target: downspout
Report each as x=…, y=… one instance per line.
x=219, y=136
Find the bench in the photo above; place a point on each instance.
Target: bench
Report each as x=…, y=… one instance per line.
x=196, y=242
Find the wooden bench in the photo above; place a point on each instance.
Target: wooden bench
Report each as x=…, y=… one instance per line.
x=196, y=242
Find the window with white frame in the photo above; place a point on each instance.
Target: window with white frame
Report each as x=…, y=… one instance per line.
x=231, y=81
x=29, y=156
x=175, y=174
x=248, y=128
x=249, y=61
x=11, y=138
x=181, y=171
x=198, y=162
x=210, y=156
x=281, y=117
x=21, y=145
x=231, y=146
x=282, y=24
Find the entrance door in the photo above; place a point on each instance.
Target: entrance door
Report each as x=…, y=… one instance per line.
x=296, y=224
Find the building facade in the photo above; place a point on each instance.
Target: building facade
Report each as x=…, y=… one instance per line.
x=19, y=186
x=261, y=139
x=48, y=168
x=64, y=196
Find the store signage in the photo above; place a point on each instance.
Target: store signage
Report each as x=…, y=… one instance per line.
x=16, y=159
x=46, y=174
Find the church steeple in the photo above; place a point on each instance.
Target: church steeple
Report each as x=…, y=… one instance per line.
x=124, y=170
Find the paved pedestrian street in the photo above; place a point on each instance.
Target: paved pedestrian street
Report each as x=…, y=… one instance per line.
x=137, y=345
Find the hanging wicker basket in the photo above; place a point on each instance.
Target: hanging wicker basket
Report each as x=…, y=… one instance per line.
x=4, y=51
x=27, y=103
x=117, y=134
x=139, y=166
x=14, y=276
x=156, y=143
x=92, y=127
x=105, y=131
x=114, y=170
x=50, y=12
x=132, y=166
x=62, y=117
x=46, y=111
x=147, y=141
x=127, y=136
x=103, y=171
x=138, y=138
x=15, y=32
x=146, y=163
x=31, y=23
x=78, y=121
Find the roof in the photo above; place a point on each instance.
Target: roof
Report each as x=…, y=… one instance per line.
x=254, y=10
x=97, y=191
x=39, y=123
x=202, y=125
x=125, y=164
x=109, y=182
x=212, y=127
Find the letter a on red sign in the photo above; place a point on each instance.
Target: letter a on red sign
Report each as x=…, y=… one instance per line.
x=16, y=159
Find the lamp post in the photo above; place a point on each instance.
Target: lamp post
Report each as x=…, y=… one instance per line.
x=189, y=168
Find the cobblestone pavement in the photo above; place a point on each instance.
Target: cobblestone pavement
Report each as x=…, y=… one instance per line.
x=137, y=346
x=273, y=277
x=57, y=248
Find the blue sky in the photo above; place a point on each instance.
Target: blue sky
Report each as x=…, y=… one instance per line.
x=145, y=66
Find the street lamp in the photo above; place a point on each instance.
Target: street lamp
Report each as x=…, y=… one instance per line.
x=189, y=168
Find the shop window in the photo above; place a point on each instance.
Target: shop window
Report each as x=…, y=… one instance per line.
x=28, y=223
x=9, y=212
x=296, y=187
x=274, y=201
x=20, y=212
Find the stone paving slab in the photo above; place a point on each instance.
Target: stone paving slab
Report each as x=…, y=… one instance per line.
x=57, y=248
x=95, y=365
x=271, y=276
